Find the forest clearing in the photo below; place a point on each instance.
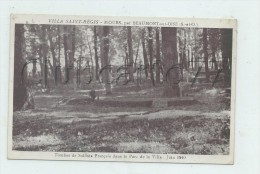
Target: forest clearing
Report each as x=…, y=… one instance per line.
x=123, y=89
x=198, y=128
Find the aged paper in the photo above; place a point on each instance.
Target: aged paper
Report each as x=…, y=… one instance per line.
x=132, y=89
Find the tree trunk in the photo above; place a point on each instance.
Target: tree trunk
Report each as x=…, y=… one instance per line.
x=214, y=59
x=91, y=55
x=130, y=51
x=150, y=47
x=184, y=58
x=71, y=44
x=181, y=53
x=126, y=62
x=20, y=91
x=101, y=51
x=136, y=55
x=70, y=52
x=34, y=53
x=65, y=41
x=58, y=68
x=44, y=53
x=205, y=51
x=146, y=63
x=34, y=69
x=40, y=61
x=189, y=49
x=196, y=64
x=169, y=50
x=96, y=52
x=104, y=57
x=188, y=64
x=52, y=47
x=158, y=56
x=227, y=55
x=51, y=68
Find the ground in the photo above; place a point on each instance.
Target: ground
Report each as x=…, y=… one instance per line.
x=70, y=122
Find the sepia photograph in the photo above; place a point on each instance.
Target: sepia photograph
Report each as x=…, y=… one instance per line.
x=127, y=89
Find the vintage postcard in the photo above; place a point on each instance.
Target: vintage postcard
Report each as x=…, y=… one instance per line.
x=133, y=89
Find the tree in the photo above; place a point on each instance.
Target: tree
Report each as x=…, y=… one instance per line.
x=197, y=48
x=184, y=55
x=205, y=51
x=182, y=49
x=136, y=55
x=44, y=53
x=150, y=47
x=20, y=74
x=65, y=43
x=31, y=36
x=130, y=51
x=189, y=45
x=90, y=53
x=214, y=37
x=227, y=55
x=146, y=62
x=158, y=55
x=126, y=61
x=169, y=50
x=52, y=48
x=104, y=57
x=71, y=41
x=58, y=70
x=96, y=52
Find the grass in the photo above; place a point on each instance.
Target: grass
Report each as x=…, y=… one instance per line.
x=185, y=135
x=201, y=128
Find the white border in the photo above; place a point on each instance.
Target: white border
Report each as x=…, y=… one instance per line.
x=69, y=20
x=247, y=132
